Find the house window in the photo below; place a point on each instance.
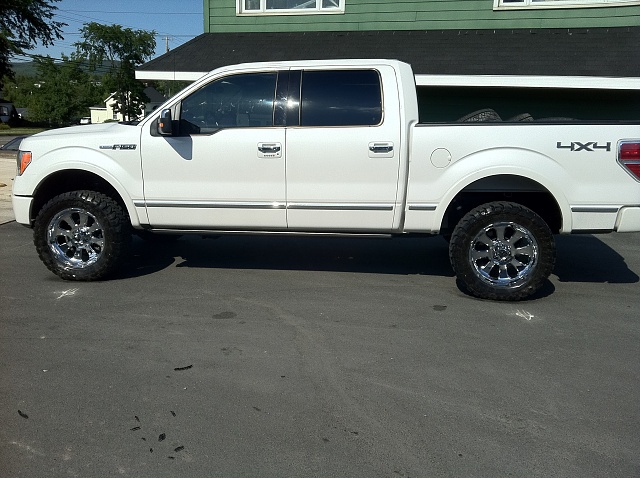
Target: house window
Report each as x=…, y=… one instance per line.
x=518, y=4
x=289, y=7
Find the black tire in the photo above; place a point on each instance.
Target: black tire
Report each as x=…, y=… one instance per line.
x=82, y=235
x=484, y=115
x=502, y=251
x=524, y=117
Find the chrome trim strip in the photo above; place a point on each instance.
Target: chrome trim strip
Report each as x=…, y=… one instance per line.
x=340, y=207
x=423, y=207
x=596, y=209
x=267, y=205
x=216, y=205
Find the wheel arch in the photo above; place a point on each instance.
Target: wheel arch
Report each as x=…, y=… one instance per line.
x=67, y=180
x=511, y=187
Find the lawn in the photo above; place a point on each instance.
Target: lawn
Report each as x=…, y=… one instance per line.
x=19, y=131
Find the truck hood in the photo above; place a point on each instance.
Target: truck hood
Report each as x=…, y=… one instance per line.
x=95, y=136
x=89, y=129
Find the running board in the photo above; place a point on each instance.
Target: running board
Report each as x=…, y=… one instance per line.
x=213, y=232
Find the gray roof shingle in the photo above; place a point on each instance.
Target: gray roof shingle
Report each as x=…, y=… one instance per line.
x=574, y=52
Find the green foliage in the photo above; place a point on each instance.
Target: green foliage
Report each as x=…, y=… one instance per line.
x=170, y=88
x=122, y=49
x=59, y=93
x=23, y=23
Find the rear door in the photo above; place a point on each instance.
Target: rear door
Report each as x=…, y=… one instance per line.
x=343, y=151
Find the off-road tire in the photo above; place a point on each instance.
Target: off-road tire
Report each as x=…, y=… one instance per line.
x=502, y=251
x=82, y=235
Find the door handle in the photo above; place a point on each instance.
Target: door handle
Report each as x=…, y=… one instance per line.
x=380, y=147
x=269, y=150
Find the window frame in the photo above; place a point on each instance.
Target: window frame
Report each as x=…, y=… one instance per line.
x=318, y=10
x=553, y=4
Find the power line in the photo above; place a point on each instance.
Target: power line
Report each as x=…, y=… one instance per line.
x=137, y=13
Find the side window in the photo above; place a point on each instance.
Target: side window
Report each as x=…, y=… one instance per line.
x=341, y=98
x=237, y=101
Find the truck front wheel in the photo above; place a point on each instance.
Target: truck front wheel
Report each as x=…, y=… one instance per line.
x=82, y=235
x=502, y=251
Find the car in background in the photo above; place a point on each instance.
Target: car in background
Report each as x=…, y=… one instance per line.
x=13, y=144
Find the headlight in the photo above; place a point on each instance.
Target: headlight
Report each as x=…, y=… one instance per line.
x=24, y=159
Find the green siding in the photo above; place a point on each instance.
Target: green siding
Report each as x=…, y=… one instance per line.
x=220, y=16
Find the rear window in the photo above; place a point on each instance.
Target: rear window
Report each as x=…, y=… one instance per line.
x=341, y=98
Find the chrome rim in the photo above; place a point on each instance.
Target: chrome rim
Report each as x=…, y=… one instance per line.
x=75, y=238
x=504, y=254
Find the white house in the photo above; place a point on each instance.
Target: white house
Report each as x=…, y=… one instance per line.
x=100, y=114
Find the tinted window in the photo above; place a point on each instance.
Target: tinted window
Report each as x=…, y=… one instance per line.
x=230, y=102
x=341, y=98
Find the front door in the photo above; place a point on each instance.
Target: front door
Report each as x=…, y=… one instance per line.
x=224, y=167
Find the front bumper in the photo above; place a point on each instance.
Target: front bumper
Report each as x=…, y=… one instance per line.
x=22, y=209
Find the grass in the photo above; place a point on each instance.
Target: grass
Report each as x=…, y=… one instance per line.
x=19, y=131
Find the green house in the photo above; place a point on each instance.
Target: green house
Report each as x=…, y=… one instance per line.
x=596, y=38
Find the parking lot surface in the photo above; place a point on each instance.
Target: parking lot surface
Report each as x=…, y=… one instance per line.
x=287, y=357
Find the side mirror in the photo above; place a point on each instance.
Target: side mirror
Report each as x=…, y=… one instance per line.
x=165, y=123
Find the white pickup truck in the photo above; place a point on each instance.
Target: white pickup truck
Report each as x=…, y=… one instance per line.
x=329, y=147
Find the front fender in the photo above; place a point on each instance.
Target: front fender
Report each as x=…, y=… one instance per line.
x=121, y=169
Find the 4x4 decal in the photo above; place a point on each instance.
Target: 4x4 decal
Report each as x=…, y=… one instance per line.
x=578, y=146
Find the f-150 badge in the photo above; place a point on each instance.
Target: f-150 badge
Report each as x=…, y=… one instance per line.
x=119, y=146
x=590, y=146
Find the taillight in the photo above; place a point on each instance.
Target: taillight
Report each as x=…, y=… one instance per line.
x=629, y=157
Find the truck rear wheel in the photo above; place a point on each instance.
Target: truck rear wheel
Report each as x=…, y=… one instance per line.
x=82, y=235
x=502, y=251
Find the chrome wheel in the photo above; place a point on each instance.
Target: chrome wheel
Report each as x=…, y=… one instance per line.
x=503, y=254
x=75, y=238
x=502, y=251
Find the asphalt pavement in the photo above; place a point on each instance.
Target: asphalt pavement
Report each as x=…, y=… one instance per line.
x=316, y=357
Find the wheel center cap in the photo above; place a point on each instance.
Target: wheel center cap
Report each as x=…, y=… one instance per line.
x=502, y=252
x=80, y=236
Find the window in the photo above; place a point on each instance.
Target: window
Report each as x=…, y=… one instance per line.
x=341, y=98
x=244, y=100
x=511, y=4
x=289, y=7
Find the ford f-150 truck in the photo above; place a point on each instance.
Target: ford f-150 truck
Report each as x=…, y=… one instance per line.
x=329, y=147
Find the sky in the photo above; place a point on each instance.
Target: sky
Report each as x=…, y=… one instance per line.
x=178, y=22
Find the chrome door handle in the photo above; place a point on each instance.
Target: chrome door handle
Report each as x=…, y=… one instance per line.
x=269, y=148
x=380, y=147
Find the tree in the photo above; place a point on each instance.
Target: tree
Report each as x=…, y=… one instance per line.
x=122, y=49
x=58, y=94
x=23, y=23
